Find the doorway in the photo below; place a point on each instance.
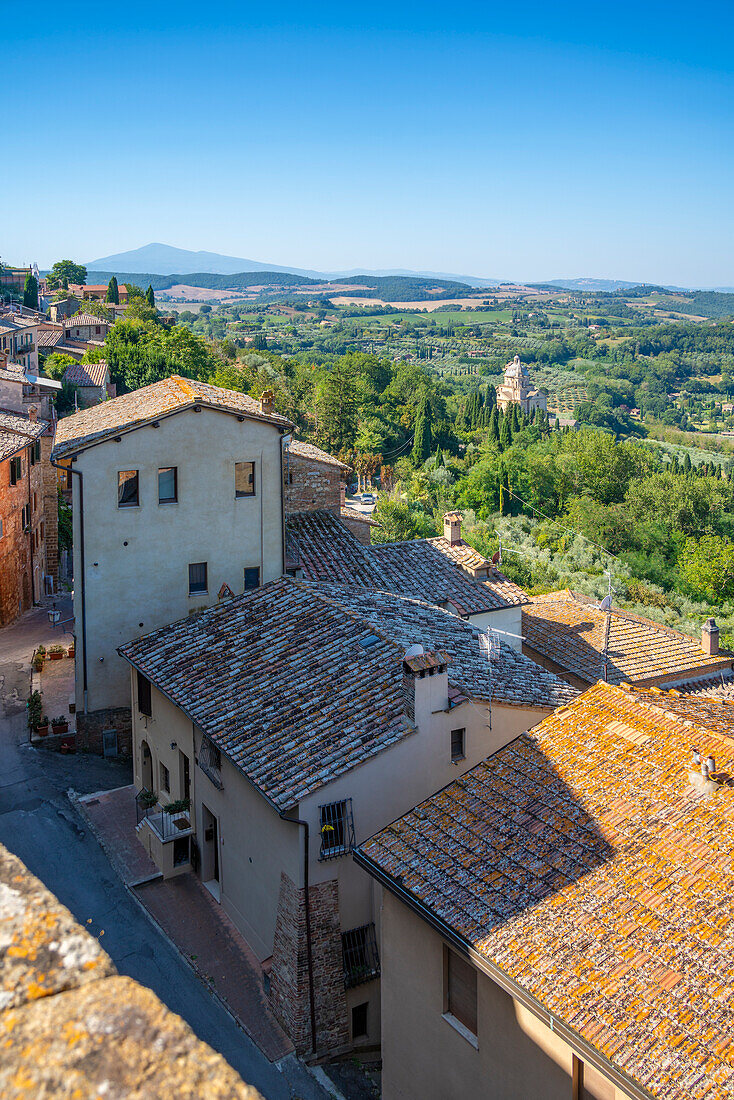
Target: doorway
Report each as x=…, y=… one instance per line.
x=210, y=873
x=146, y=766
x=183, y=774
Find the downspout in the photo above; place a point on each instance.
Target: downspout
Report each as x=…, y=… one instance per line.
x=70, y=469
x=30, y=522
x=309, y=952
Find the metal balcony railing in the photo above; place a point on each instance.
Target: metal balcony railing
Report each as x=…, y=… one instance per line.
x=168, y=826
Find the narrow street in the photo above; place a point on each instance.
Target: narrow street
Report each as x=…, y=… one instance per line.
x=39, y=824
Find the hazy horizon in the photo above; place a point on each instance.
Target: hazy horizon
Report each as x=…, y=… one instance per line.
x=544, y=144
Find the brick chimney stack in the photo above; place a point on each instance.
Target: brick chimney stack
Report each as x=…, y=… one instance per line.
x=710, y=638
x=266, y=402
x=452, y=527
x=425, y=682
x=33, y=414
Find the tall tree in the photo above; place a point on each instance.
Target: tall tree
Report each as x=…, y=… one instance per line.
x=494, y=425
x=30, y=292
x=113, y=292
x=150, y=296
x=64, y=272
x=505, y=432
x=336, y=405
x=422, y=437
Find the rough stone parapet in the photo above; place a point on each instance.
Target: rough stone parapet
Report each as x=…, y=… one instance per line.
x=70, y=1026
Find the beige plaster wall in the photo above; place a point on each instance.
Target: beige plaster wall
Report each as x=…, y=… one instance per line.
x=508, y=619
x=137, y=558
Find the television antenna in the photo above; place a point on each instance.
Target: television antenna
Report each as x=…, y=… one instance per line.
x=490, y=647
x=606, y=606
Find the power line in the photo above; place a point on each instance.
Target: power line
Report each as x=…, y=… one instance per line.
x=571, y=530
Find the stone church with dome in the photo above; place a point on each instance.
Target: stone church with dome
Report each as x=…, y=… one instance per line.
x=517, y=389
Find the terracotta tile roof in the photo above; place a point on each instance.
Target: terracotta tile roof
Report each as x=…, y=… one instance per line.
x=50, y=337
x=86, y=374
x=278, y=679
x=328, y=551
x=512, y=679
x=569, y=629
x=133, y=409
x=718, y=687
x=468, y=558
x=420, y=569
x=357, y=517
x=16, y=432
x=582, y=861
x=307, y=450
x=85, y=319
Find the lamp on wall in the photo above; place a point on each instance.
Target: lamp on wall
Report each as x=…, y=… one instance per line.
x=174, y=744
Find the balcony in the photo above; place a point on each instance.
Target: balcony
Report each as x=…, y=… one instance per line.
x=167, y=825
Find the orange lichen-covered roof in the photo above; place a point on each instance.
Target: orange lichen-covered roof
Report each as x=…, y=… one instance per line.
x=591, y=863
x=570, y=630
x=141, y=406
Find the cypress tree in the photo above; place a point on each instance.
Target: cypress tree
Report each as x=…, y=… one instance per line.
x=113, y=292
x=422, y=435
x=150, y=296
x=494, y=425
x=687, y=464
x=30, y=292
x=505, y=433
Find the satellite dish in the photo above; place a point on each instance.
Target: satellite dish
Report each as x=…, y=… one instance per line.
x=414, y=650
x=606, y=604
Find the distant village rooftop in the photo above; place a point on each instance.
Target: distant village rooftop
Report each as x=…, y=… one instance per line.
x=587, y=867
x=296, y=685
x=171, y=395
x=568, y=631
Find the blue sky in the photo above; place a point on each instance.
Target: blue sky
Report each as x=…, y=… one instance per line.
x=528, y=141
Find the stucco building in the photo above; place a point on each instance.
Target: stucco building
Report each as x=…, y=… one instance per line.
x=556, y=922
x=517, y=389
x=92, y=382
x=298, y=719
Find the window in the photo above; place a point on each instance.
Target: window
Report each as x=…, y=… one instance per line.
x=165, y=778
x=210, y=761
x=127, y=489
x=16, y=470
x=97, y=330
x=37, y=450
x=337, y=828
x=168, y=485
x=244, y=479
x=460, y=990
x=26, y=517
x=589, y=1084
x=457, y=745
x=1, y=528
x=252, y=578
x=359, y=956
x=359, y=1021
x=197, y=578
x=144, y=700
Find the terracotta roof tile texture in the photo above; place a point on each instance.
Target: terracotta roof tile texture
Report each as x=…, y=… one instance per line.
x=588, y=862
x=279, y=680
x=570, y=630
x=132, y=409
x=86, y=374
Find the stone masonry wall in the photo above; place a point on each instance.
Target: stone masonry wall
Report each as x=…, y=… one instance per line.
x=311, y=486
x=49, y=483
x=289, y=987
x=360, y=529
x=15, y=554
x=90, y=728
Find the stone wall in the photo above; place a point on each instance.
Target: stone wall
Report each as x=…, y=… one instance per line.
x=311, y=485
x=361, y=529
x=91, y=726
x=289, y=985
x=49, y=489
x=15, y=553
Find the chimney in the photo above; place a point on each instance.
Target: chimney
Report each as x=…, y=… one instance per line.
x=452, y=527
x=266, y=402
x=32, y=414
x=710, y=638
x=342, y=494
x=425, y=683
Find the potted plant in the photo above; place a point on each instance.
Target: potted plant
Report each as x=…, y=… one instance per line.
x=35, y=709
x=70, y=650
x=41, y=651
x=60, y=724
x=147, y=799
x=179, y=812
x=41, y=726
x=56, y=652
x=38, y=663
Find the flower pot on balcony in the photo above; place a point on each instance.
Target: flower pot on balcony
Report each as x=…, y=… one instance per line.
x=54, y=655
x=70, y=651
x=60, y=725
x=41, y=729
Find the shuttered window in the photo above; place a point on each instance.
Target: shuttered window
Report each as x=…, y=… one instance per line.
x=461, y=990
x=144, y=701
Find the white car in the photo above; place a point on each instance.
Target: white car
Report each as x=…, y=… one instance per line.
x=368, y=498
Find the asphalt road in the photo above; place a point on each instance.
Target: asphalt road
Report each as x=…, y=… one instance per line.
x=39, y=824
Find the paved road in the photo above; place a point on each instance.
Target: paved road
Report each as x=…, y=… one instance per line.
x=39, y=824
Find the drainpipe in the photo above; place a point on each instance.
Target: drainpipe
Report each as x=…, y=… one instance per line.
x=30, y=522
x=79, y=474
x=309, y=952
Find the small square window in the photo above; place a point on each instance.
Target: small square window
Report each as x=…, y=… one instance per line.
x=144, y=701
x=168, y=485
x=127, y=489
x=252, y=578
x=359, y=1020
x=165, y=779
x=458, y=748
x=197, y=578
x=244, y=479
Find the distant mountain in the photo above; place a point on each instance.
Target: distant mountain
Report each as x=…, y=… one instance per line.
x=167, y=260
x=591, y=284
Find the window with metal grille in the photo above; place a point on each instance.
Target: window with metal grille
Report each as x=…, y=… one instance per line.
x=168, y=485
x=359, y=955
x=244, y=479
x=458, y=751
x=210, y=761
x=337, y=828
x=144, y=700
x=127, y=489
x=460, y=992
x=197, y=578
x=252, y=577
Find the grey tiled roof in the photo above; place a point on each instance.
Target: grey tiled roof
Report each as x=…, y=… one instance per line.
x=132, y=409
x=16, y=432
x=277, y=677
x=86, y=374
x=307, y=450
x=328, y=551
